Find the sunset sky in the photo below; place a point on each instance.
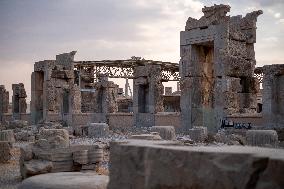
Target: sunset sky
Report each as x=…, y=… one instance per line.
x=34, y=30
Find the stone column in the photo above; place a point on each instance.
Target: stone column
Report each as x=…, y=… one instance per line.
x=4, y=101
x=147, y=95
x=19, y=104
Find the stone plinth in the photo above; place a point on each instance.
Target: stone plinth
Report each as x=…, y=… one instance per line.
x=161, y=164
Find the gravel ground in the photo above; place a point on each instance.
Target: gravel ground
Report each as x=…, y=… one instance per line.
x=10, y=172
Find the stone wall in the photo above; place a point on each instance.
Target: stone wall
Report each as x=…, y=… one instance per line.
x=54, y=90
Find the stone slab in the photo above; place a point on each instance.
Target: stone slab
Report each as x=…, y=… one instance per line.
x=72, y=180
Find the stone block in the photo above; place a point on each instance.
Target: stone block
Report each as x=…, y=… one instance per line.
x=268, y=138
x=98, y=130
x=7, y=135
x=166, y=132
x=53, y=138
x=81, y=157
x=198, y=134
x=95, y=155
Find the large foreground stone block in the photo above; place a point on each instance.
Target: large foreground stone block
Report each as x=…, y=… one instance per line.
x=162, y=164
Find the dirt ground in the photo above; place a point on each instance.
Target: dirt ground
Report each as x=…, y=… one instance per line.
x=10, y=172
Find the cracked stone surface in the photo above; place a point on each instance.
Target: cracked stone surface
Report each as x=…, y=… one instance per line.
x=160, y=164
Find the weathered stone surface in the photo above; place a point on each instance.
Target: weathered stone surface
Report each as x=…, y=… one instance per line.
x=158, y=164
x=153, y=136
x=62, y=154
x=166, y=132
x=98, y=130
x=198, y=134
x=53, y=138
x=35, y=167
x=7, y=135
x=62, y=166
x=268, y=138
x=26, y=153
x=230, y=139
x=5, y=151
x=50, y=125
x=74, y=180
x=95, y=155
x=81, y=157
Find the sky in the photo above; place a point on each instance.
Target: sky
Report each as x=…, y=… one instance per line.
x=34, y=30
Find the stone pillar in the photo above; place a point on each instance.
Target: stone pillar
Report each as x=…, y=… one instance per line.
x=272, y=96
x=105, y=96
x=4, y=101
x=19, y=104
x=147, y=95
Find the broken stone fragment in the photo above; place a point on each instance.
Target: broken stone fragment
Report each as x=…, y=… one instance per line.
x=81, y=157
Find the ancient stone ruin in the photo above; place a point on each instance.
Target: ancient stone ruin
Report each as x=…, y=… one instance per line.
x=222, y=128
x=217, y=67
